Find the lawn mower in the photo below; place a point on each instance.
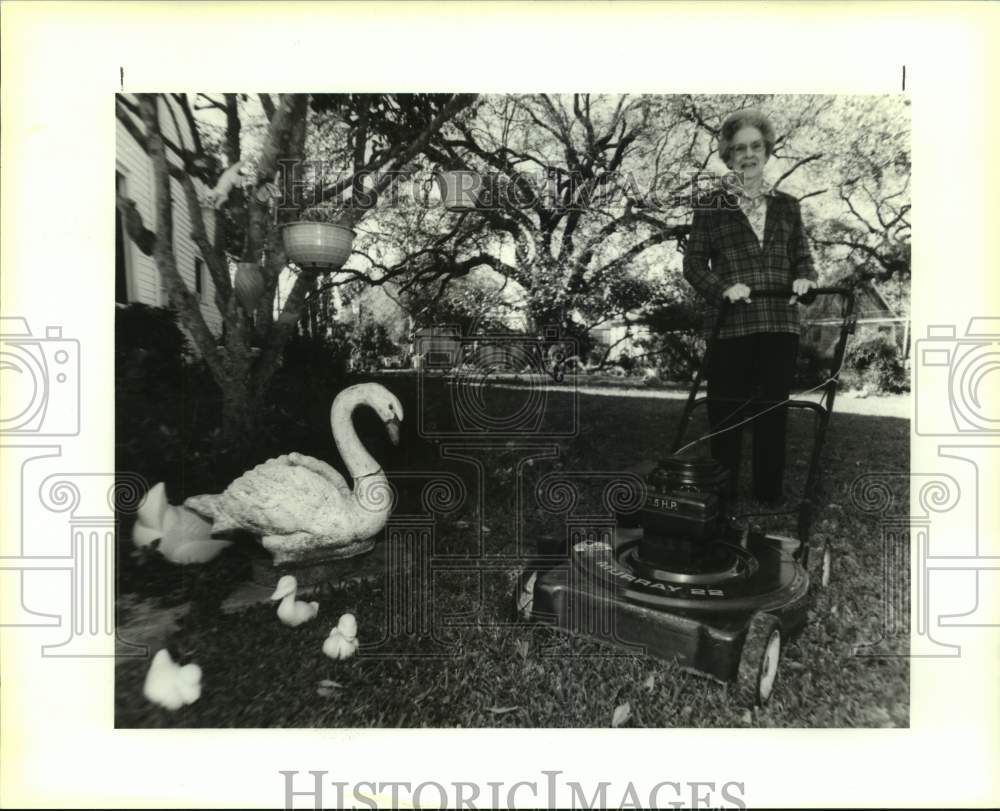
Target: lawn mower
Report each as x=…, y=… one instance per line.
x=682, y=578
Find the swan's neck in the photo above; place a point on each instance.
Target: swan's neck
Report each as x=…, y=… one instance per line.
x=359, y=462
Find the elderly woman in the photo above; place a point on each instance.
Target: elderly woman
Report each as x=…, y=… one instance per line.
x=750, y=238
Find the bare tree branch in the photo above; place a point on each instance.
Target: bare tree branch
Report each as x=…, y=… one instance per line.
x=124, y=111
x=847, y=200
x=210, y=103
x=798, y=164
x=218, y=267
x=177, y=290
x=233, y=127
x=268, y=104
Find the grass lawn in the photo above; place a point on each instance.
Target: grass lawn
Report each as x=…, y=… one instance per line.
x=473, y=666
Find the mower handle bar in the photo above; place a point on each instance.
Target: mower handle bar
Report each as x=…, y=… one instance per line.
x=822, y=412
x=805, y=298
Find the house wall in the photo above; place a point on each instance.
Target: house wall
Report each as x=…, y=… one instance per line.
x=144, y=284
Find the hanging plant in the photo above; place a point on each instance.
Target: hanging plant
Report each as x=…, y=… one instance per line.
x=316, y=245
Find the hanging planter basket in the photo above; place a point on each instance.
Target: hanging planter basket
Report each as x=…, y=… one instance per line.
x=322, y=246
x=460, y=189
x=248, y=285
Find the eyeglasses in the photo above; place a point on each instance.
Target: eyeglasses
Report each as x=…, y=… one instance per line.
x=741, y=149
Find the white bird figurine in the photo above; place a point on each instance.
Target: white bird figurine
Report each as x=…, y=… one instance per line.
x=184, y=536
x=292, y=612
x=217, y=196
x=342, y=643
x=171, y=685
x=300, y=505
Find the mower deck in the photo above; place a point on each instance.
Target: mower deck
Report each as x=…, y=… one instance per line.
x=697, y=618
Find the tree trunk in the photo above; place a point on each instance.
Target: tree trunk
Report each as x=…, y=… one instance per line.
x=241, y=411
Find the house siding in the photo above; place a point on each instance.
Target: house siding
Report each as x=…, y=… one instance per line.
x=144, y=283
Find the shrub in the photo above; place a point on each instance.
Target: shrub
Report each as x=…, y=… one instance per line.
x=297, y=403
x=165, y=398
x=166, y=410
x=152, y=332
x=810, y=368
x=325, y=356
x=677, y=355
x=371, y=343
x=878, y=364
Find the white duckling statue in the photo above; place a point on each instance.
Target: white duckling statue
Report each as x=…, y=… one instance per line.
x=342, y=643
x=302, y=507
x=292, y=612
x=184, y=536
x=171, y=685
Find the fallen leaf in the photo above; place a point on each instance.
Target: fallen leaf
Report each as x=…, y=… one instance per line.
x=746, y=718
x=621, y=714
x=502, y=710
x=329, y=683
x=523, y=648
x=650, y=682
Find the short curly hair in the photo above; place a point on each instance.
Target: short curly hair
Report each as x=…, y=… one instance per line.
x=747, y=117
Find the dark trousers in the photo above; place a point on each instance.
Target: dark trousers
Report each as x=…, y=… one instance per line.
x=745, y=376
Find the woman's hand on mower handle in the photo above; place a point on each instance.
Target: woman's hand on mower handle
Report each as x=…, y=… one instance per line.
x=738, y=292
x=800, y=287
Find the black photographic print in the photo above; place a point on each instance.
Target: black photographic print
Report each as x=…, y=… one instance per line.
x=541, y=329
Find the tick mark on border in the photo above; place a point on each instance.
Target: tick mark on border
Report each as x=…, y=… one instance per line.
x=904, y=78
x=121, y=76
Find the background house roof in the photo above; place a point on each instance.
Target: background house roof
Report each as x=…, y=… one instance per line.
x=868, y=304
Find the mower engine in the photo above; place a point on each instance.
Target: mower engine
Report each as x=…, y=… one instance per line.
x=684, y=513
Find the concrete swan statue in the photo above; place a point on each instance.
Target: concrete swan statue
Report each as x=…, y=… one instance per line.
x=302, y=508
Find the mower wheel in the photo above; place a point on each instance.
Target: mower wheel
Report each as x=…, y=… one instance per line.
x=758, y=668
x=524, y=594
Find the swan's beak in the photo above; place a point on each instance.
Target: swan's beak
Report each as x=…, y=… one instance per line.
x=392, y=426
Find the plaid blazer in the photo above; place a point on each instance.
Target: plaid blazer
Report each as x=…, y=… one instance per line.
x=723, y=250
